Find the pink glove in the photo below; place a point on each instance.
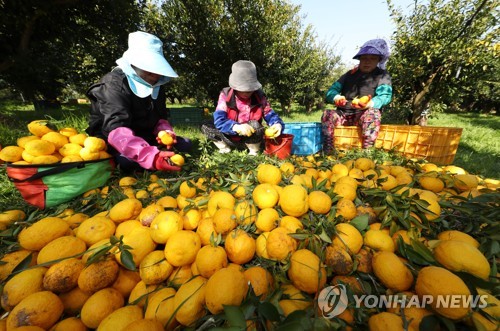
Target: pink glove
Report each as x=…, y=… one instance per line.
x=162, y=162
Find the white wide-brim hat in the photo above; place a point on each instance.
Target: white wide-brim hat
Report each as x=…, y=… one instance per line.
x=145, y=51
x=243, y=77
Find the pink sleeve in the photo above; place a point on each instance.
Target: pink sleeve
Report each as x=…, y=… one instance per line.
x=133, y=147
x=163, y=125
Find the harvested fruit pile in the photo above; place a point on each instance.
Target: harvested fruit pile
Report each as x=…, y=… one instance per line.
x=255, y=247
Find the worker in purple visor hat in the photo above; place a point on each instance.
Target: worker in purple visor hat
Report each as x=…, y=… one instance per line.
x=359, y=95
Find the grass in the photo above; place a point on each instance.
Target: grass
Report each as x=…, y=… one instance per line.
x=478, y=151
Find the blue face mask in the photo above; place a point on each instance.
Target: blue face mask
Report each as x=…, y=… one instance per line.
x=139, y=86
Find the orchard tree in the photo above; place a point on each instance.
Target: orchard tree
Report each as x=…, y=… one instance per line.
x=51, y=44
x=443, y=50
x=207, y=36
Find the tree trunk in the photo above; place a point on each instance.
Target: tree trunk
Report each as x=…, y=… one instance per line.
x=421, y=101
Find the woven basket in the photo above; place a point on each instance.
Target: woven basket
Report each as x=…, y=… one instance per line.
x=435, y=144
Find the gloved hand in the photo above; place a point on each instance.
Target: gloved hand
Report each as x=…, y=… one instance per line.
x=362, y=103
x=167, y=138
x=162, y=162
x=339, y=100
x=275, y=130
x=243, y=129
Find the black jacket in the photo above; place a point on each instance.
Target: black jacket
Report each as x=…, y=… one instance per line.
x=114, y=105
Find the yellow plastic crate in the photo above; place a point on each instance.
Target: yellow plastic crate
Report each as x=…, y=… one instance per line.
x=435, y=144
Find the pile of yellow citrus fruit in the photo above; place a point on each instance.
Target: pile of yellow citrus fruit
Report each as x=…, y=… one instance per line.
x=173, y=254
x=48, y=145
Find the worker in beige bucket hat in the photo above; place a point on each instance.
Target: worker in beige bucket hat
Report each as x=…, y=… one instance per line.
x=239, y=112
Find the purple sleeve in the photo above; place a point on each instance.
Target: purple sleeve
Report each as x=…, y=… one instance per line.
x=163, y=125
x=133, y=147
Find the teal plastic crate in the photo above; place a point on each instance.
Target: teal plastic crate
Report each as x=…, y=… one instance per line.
x=308, y=137
x=186, y=116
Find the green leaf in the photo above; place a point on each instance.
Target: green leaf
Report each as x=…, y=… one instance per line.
x=268, y=311
x=127, y=260
x=235, y=316
x=360, y=222
x=423, y=251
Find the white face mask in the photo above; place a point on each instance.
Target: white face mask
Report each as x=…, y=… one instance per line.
x=139, y=86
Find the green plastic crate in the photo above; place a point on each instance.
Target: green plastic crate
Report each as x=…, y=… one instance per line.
x=186, y=116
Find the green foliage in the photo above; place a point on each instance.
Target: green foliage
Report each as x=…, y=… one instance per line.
x=444, y=50
x=49, y=45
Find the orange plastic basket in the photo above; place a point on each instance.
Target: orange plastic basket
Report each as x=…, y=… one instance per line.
x=435, y=144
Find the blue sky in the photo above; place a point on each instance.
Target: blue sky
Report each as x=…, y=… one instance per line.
x=349, y=23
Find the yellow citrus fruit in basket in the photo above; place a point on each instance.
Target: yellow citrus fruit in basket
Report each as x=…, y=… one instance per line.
x=99, y=305
x=436, y=281
x=245, y=212
x=69, y=323
x=154, y=268
x=40, y=127
x=465, y=182
x=294, y=200
x=293, y=299
x=287, y=168
x=127, y=209
x=68, y=132
x=164, y=225
x=346, y=208
x=78, y=139
x=187, y=189
x=431, y=183
x=182, y=247
x=56, y=138
x=70, y=149
x=63, y=276
x=379, y=240
x=456, y=235
x=227, y=286
x=261, y=280
x=21, y=285
x=120, y=318
x=265, y=196
x=94, y=144
x=385, y=321
x=95, y=229
x=189, y=301
x=391, y=271
x=34, y=309
x=461, y=256
x=306, y=271
x=166, y=138
x=42, y=232
x=267, y=219
x=177, y=159
x=87, y=155
x=345, y=190
x=268, y=173
x=291, y=223
x=279, y=244
x=60, y=248
x=39, y=147
x=224, y=220
x=240, y=246
x=210, y=259
x=11, y=153
x=161, y=307
x=320, y=202
x=71, y=158
x=348, y=237
x=21, y=142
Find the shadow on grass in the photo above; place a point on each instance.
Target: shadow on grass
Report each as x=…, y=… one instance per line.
x=478, y=163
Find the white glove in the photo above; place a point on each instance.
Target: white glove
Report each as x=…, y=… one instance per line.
x=277, y=129
x=243, y=129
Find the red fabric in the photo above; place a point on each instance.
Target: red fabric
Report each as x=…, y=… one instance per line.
x=33, y=191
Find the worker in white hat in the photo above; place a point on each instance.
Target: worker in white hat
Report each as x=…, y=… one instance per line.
x=129, y=107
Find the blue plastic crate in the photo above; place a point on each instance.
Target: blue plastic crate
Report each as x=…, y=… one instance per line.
x=308, y=137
